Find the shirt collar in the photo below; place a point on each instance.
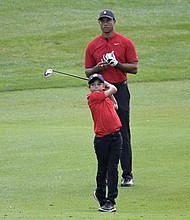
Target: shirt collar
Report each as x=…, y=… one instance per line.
x=112, y=36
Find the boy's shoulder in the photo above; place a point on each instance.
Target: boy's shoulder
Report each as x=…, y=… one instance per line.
x=96, y=95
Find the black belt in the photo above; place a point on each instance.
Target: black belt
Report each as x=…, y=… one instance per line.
x=119, y=84
x=113, y=134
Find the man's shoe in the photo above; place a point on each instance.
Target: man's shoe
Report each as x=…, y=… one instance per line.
x=106, y=181
x=107, y=207
x=127, y=182
x=96, y=198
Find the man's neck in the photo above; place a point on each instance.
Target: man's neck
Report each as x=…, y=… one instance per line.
x=108, y=35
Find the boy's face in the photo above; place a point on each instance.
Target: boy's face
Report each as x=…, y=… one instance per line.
x=96, y=86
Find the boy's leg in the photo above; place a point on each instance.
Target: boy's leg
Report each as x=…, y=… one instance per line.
x=101, y=150
x=115, y=153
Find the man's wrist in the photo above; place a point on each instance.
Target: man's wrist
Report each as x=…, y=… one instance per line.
x=117, y=65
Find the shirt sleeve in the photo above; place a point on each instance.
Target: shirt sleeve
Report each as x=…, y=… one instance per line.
x=96, y=97
x=131, y=54
x=89, y=60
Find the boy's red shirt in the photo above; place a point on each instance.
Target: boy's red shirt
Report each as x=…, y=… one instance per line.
x=106, y=120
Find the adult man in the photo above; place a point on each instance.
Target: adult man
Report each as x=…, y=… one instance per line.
x=114, y=55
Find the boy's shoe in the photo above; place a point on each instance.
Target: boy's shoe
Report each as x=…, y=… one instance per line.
x=107, y=207
x=127, y=182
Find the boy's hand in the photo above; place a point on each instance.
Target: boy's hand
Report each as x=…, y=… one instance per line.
x=106, y=85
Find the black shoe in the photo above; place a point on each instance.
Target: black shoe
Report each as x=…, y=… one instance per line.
x=127, y=182
x=96, y=198
x=107, y=207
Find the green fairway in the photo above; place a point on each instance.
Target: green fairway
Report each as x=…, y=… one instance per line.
x=37, y=35
x=48, y=167
x=48, y=164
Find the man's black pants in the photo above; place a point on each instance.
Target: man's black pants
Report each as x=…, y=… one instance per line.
x=108, y=151
x=123, y=98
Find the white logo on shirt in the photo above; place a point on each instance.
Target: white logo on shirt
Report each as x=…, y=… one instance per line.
x=115, y=44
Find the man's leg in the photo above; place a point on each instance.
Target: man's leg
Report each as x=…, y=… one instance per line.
x=126, y=156
x=123, y=98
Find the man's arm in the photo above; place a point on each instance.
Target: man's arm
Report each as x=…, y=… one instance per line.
x=111, y=60
x=90, y=71
x=128, y=67
x=124, y=67
x=96, y=69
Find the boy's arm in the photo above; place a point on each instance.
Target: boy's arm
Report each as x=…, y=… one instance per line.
x=114, y=102
x=109, y=91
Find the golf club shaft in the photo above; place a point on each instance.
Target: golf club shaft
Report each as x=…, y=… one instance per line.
x=69, y=74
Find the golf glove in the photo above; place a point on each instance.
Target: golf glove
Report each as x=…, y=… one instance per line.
x=110, y=59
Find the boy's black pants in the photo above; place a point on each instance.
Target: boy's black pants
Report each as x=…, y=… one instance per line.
x=108, y=151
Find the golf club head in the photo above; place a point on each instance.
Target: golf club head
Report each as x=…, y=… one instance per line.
x=48, y=72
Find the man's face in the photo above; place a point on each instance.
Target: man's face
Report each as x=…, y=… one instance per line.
x=107, y=25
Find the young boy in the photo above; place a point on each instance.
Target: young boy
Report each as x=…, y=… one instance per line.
x=107, y=140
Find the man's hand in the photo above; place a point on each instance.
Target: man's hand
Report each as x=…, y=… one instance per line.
x=100, y=66
x=110, y=59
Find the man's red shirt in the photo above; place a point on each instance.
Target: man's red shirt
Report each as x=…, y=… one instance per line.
x=124, y=51
x=106, y=120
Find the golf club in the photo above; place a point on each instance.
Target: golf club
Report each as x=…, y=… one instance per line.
x=49, y=72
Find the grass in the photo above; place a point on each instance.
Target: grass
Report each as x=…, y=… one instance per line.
x=36, y=35
x=48, y=164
